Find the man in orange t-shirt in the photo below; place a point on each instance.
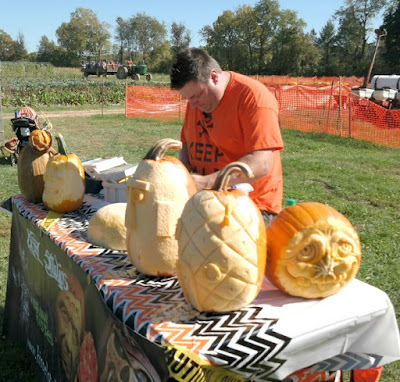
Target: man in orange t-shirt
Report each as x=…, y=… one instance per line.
x=229, y=117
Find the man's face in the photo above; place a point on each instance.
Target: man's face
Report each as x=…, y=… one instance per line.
x=203, y=95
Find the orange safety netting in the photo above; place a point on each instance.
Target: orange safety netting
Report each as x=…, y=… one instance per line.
x=331, y=109
x=337, y=111
x=314, y=81
x=154, y=102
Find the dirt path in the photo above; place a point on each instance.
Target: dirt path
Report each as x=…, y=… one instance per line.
x=71, y=113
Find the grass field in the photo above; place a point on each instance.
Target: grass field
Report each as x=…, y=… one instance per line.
x=358, y=178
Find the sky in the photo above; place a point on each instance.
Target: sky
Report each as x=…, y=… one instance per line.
x=35, y=19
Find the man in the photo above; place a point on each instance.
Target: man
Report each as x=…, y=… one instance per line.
x=229, y=117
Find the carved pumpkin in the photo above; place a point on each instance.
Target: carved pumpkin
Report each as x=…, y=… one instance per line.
x=313, y=250
x=156, y=195
x=222, y=247
x=41, y=140
x=107, y=227
x=32, y=164
x=64, y=183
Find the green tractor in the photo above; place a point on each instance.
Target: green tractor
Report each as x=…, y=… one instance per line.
x=133, y=71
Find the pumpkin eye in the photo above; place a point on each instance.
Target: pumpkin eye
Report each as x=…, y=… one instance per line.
x=345, y=246
x=313, y=249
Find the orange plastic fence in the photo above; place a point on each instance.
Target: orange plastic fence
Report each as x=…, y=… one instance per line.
x=154, y=102
x=331, y=109
x=314, y=81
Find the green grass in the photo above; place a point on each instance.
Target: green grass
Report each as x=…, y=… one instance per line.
x=358, y=178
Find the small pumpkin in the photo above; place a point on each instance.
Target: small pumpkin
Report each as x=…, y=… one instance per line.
x=156, y=195
x=64, y=183
x=107, y=228
x=41, y=140
x=313, y=250
x=222, y=246
x=32, y=162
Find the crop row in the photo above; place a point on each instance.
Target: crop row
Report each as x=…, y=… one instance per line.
x=66, y=92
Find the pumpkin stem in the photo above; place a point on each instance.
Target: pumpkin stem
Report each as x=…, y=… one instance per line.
x=158, y=151
x=62, y=146
x=221, y=183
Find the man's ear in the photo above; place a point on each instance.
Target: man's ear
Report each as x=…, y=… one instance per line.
x=214, y=76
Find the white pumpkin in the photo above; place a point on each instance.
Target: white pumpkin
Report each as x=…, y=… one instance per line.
x=156, y=195
x=222, y=247
x=107, y=227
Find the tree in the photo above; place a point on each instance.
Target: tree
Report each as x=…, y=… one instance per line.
x=48, y=51
x=147, y=33
x=20, y=51
x=83, y=34
x=222, y=39
x=139, y=36
x=355, y=19
x=122, y=37
x=391, y=52
x=327, y=45
x=180, y=37
x=6, y=47
x=247, y=25
x=292, y=50
x=262, y=40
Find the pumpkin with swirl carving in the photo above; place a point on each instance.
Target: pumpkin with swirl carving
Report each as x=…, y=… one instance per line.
x=313, y=250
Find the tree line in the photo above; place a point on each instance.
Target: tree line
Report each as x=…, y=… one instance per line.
x=263, y=39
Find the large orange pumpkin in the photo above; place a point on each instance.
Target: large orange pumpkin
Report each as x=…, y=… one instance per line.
x=64, y=183
x=313, y=250
x=222, y=246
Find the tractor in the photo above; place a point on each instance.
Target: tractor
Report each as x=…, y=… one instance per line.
x=133, y=71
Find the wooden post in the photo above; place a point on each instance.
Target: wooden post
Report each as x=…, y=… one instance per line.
x=350, y=111
x=339, y=125
x=1, y=117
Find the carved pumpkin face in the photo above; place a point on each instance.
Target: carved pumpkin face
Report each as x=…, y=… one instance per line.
x=64, y=183
x=313, y=250
x=40, y=140
x=222, y=250
x=156, y=195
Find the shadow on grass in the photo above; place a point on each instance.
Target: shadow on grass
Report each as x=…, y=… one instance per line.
x=5, y=161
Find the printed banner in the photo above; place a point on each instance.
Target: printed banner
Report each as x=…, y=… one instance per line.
x=185, y=366
x=55, y=310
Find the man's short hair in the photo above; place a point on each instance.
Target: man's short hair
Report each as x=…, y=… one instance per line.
x=192, y=64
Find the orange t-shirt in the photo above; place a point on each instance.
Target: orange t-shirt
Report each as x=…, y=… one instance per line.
x=245, y=120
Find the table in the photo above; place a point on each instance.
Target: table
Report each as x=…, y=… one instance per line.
x=84, y=313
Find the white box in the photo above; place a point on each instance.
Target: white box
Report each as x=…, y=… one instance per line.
x=114, y=192
x=118, y=173
x=95, y=166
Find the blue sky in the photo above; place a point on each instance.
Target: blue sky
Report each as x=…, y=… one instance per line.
x=37, y=18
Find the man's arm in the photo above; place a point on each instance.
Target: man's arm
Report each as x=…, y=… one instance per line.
x=184, y=156
x=260, y=162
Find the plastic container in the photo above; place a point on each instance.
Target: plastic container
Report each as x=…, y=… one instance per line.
x=363, y=92
x=114, y=192
x=384, y=94
x=386, y=81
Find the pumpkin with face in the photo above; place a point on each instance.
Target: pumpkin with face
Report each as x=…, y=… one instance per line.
x=156, y=195
x=64, y=183
x=313, y=250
